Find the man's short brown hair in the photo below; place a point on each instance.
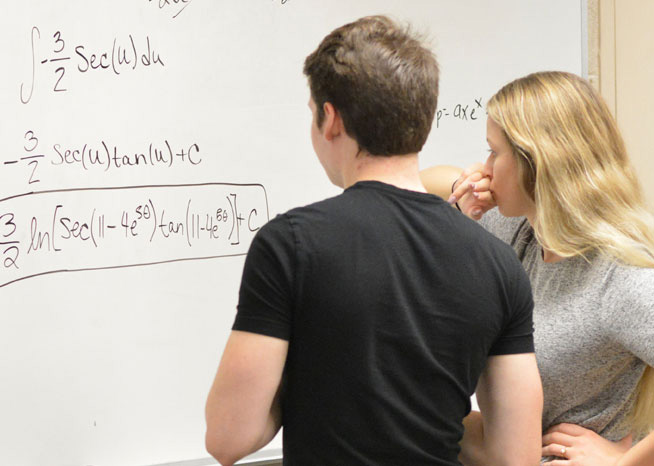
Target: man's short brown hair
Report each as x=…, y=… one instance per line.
x=382, y=81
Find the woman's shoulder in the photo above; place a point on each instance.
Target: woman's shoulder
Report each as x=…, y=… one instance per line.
x=623, y=281
x=626, y=291
x=511, y=230
x=627, y=307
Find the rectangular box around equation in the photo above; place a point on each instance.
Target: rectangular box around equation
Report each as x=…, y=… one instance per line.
x=100, y=228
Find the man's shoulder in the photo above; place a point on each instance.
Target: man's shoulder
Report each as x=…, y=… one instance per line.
x=349, y=203
x=322, y=206
x=284, y=226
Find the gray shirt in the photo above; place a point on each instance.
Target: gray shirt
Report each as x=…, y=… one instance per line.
x=594, y=330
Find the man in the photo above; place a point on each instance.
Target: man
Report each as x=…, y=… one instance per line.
x=356, y=328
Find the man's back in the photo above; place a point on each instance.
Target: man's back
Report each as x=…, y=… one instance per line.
x=386, y=341
x=366, y=320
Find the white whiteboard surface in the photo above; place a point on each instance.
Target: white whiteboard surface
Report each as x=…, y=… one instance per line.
x=136, y=132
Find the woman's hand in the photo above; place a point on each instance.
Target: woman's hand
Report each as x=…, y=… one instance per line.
x=582, y=447
x=472, y=192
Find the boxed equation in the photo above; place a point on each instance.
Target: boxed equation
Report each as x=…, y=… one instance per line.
x=100, y=228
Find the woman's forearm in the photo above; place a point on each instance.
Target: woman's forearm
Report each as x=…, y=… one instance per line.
x=641, y=454
x=438, y=179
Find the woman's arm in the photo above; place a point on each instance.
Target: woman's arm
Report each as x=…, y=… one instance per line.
x=586, y=448
x=468, y=188
x=438, y=179
x=642, y=454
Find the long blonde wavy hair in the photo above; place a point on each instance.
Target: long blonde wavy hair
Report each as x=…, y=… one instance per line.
x=573, y=163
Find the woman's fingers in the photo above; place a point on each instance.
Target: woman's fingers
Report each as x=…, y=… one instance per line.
x=475, y=208
x=570, y=429
x=475, y=213
x=485, y=197
x=475, y=167
x=464, y=186
x=557, y=444
x=582, y=446
x=481, y=185
x=474, y=182
x=558, y=438
x=555, y=449
x=472, y=192
x=478, y=200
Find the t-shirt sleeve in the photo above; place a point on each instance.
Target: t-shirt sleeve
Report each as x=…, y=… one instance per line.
x=518, y=332
x=628, y=311
x=266, y=294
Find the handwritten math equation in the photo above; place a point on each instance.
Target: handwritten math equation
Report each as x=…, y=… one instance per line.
x=177, y=5
x=102, y=228
x=53, y=54
x=101, y=155
x=466, y=111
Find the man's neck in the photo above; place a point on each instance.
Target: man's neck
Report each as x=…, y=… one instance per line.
x=401, y=171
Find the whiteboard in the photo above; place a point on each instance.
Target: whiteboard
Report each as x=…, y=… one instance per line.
x=143, y=143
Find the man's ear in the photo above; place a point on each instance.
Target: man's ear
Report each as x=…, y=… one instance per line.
x=332, y=125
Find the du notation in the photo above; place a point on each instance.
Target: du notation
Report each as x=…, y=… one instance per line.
x=99, y=228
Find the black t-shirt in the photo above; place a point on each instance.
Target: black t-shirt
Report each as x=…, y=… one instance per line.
x=391, y=301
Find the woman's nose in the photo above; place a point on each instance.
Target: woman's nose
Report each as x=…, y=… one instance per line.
x=487, y=171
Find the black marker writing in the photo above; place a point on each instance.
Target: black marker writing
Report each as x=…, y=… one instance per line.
x=461, y=112
x=23, y=99
x=171, y=3
x=121, y=54
x=98, y=228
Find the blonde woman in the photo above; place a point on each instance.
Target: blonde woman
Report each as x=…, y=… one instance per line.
x=569, y=203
